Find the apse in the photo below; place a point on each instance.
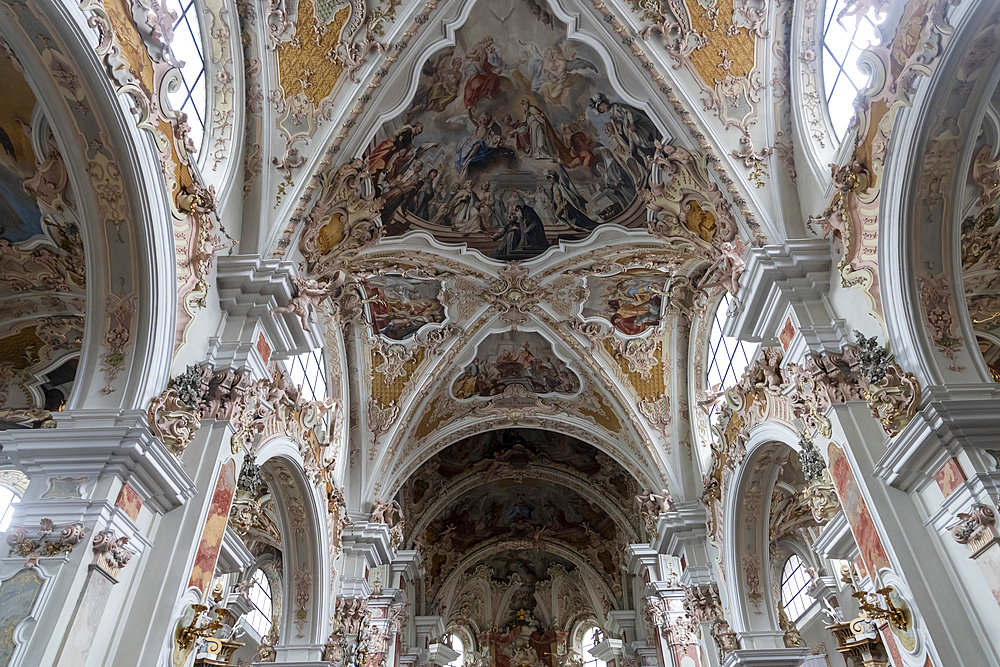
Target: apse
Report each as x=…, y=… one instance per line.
x=520, y=500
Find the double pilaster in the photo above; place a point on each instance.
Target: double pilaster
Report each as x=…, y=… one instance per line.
x=99, y=486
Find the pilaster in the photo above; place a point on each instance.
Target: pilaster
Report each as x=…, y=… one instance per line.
x=952, y=610
x=97, y=482
x=180, y=572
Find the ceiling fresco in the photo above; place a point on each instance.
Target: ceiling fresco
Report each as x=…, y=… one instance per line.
x=20, y=218
x=514, y=491
x=630, y=301
x=515, y=358
x=401, y=306
x=512, y=145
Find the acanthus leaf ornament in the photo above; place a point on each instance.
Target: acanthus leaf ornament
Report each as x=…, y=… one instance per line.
x=343, y=219
x=173, y=421
x=976, y=528
x=110, y=552
x=640, y=354
x=513, y=294
x=34, y=548
x=657, y=413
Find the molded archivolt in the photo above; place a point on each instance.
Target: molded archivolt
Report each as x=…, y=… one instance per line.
x=128, y=332
x=306, y=563
x=746, y=530
x=919, y=233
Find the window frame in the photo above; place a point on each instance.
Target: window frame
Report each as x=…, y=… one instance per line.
x=813, y=131
x=7, y=506
x=829, y=17
x=269, y=593
x=747, y=349
x=801, y=594
x=188, y=12
x=587, y=628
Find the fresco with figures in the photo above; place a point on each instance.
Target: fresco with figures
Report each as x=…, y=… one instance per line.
x=527, y=509
x=630, y=301
x=401, y=306
x=515, y=358
x=510, y=144
x=20, y=218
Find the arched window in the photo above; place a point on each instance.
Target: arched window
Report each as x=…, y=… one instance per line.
x=191, y=96
x=844, y=38
x=458, y=645
x=308, y=372
x=794, y=582
x=7, y=501
x=591, y=639
x=727, y=357
x=259, y=618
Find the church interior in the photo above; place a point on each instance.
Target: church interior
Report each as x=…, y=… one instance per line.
x=500, y=333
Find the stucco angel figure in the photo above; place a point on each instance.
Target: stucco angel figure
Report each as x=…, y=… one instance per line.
x=647, y=503
x=309, y=293
x=663, y=500
x=387, y=513
x=728, y=268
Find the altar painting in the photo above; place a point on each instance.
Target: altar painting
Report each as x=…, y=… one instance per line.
x=515, y=358
x=514, y=139
x=630, y=301
x=401, y=306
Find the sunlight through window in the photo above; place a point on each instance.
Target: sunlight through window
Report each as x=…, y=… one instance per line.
x=844, y=38
x=190, y=97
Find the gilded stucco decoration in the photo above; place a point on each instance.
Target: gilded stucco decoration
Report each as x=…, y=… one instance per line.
x=852, y=219
x=135, y=49
x=717, y=43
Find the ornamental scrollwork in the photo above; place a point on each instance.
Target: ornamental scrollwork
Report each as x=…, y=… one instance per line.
x=46, y=543
x=893, y=394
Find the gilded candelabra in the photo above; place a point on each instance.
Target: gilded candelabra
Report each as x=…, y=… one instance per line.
x=896, y=616
x=186, y=635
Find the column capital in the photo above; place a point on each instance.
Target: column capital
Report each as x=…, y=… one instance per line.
x=642, y=557
x=609, y=650
x=370, y=539
x=365, y=546
x=682, y=532
x=441, y=654
x=836, y=540
x=250, y=289
x=407, y=564
x=100, y=443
